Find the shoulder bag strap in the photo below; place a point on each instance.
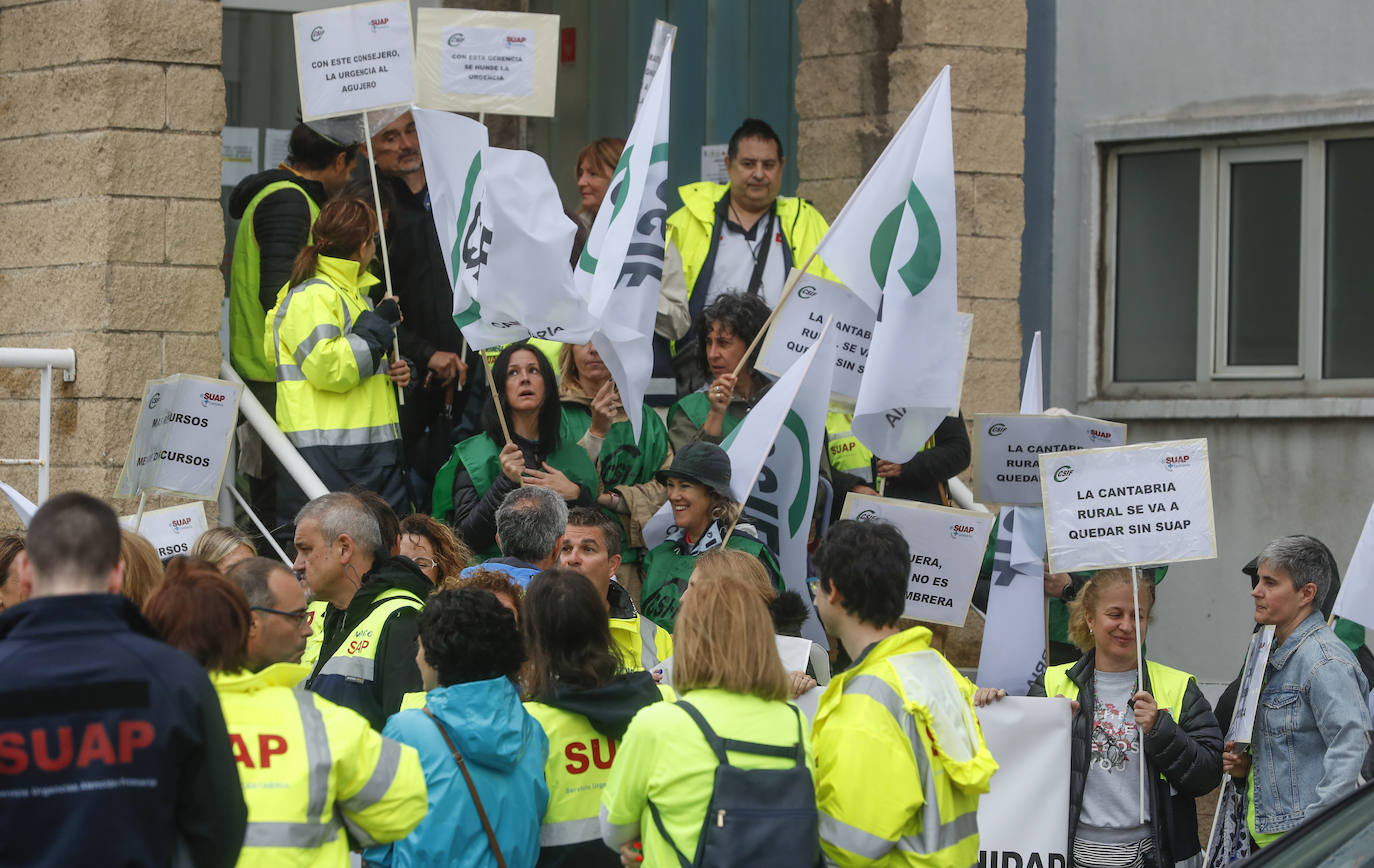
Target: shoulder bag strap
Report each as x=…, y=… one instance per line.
x=476, y=800
x=761, y=260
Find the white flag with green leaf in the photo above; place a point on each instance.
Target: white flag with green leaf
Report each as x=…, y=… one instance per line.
x=621, y=267
x=893, y=245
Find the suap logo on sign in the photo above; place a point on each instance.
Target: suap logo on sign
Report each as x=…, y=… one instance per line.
x=378, y=23
x=180, y=524
x=1099, y=436
x=997, y=429
x=317, y=34
x=515, y=40
x=456, y=40
x=1063, y=473
x=867, y=515
x=806, y=292
x=211, y=398
x=1175, y=461
x=960, y=530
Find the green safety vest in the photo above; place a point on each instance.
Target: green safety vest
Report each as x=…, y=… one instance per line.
x=481, y=457
x=356, y=657
x=667, y=570
x=695, y=407
x=247, y=319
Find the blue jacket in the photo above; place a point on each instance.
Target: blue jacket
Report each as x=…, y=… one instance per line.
x=1310, y=727
x=520, y=572
x=115, y=741
x=504, y=748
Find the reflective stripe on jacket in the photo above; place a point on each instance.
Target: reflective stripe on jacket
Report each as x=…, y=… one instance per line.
x=311, y=769
x=348, y=676
x=642, y=644
x=900, y=759
x=246, y=322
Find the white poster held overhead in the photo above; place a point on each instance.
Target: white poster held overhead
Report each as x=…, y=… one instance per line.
x=1023, y=818
x=798, y=323
x=1128, y=505
x=350, y=59
x=947, y=548
x=475, y=61
x=238, y=154
x=1006, y=451
x=181, y=443
x=173, y=530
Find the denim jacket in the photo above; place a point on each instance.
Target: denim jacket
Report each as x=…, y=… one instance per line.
x=1310, y=726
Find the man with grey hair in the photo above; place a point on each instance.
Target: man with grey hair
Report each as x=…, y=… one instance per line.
x=529, y=530
x=280, y=622
x=366, y=658
x=1311, y=724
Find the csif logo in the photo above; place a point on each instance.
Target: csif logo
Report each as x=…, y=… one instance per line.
x=867, y=515
x=378, y=23
x=153, y=400
x=317, y=34
x=960, y=530
x=456, y=40
x=1099, y=436
x=997, y=429
x=1173, y=461
x=211, y=398
x=806, y=292
x=1063, y=473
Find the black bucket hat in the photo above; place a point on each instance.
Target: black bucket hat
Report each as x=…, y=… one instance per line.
x=704, y=463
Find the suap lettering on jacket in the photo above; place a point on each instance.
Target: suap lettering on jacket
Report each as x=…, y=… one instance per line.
x=582, y=757
x=268, y=746
x=1012, y=859
x=58, y=750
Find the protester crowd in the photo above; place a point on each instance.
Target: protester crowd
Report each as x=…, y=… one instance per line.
x=477, y=658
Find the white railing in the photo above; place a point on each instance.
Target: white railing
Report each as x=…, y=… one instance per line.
x=44, y=360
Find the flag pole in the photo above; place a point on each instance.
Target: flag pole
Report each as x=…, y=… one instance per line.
x=787, y=288
x=381, y=230
x=1140, y=683
x=495, y=397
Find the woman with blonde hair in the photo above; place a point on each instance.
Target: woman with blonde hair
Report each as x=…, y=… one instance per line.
x=704, y=514
x=595, y=165
x=223, y=547
x=733, y=688
x=1113, y=716
x=142, y=567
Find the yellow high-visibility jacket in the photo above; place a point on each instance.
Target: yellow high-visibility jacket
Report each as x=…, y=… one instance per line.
x=900, y=759
x=310, y=768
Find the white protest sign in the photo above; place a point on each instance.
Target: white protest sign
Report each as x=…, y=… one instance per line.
x=173, y=530
x=796, y=326
x=475, y=61
x=947, y=548
x=350, y=59
x=1023, y=818
x=182, y=440
x=1251, y=683
x=1128, y=505
x=1006, y=451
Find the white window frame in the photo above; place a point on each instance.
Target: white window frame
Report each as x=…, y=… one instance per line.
x=1217, y=389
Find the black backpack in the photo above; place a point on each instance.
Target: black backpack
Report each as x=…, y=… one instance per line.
x=756, y=816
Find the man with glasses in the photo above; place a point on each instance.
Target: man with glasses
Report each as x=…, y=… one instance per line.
x=281, y=621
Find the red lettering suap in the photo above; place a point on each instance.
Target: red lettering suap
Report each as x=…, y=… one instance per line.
x=268, y=746
x=134, y=735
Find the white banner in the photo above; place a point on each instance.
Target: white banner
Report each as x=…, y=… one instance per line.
x=173, y=530
x=1006, y=451
x=947, y=548
x=1128, y=505
x=1356, y=598
x=1023, y=818
x=182, y=440
x=799, y=323
x=1251, y=684
x=472, y=60
x=350, y=59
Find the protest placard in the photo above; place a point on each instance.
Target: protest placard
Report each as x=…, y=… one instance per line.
x=173, y=530
x=1251, y=683
x=181, y=443
x=947, y=548
x=476, y=61
x=799, y=321
x=350, y=59
x=1128, y=505
x=1006, y=451
x=1023, y=818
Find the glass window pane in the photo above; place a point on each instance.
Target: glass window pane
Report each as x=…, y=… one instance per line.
x=1266, y=221
x=1349, y=310
x=1156, y=266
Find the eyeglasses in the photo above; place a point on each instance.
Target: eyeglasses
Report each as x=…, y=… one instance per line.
x=425, y=563
x=300, y=616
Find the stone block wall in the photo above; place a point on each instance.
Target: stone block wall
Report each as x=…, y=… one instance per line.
x=864, y=65
x=110, y=119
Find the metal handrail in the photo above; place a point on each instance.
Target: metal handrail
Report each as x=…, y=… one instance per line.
x=263, y=423
x=46, y=360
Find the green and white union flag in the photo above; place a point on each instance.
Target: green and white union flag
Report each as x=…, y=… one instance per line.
x=894, y=246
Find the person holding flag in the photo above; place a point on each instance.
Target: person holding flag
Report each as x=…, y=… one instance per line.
x=727, y=329
x=704, y=513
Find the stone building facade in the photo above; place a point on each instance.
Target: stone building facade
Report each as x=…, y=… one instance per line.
x=110, y=118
